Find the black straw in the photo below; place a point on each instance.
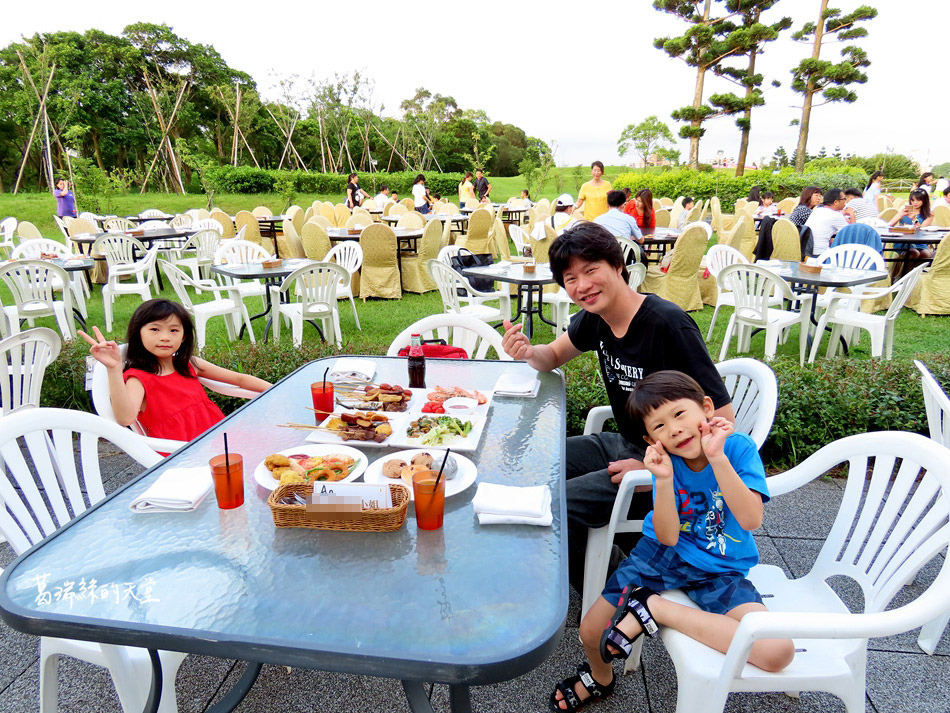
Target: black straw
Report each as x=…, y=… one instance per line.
x=226, y=464
x=442, y=467
x=325, y=372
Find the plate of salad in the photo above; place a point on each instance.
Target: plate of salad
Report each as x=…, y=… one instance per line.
x=434, y=430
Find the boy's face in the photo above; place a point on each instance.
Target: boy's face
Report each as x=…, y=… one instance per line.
x=675, y=424
x=689, y=205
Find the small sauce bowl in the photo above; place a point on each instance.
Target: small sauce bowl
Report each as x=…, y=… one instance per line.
x=459, y=406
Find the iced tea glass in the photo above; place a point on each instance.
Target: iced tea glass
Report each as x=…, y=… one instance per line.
x=228, y=480
x=428, y=492
x=322, y=393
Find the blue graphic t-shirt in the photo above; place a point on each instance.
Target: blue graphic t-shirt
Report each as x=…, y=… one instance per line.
x=710, y=538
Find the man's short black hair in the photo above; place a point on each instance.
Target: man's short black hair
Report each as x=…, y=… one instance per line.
x=660, y=388
x=831, y=195
x=853, y=192
x=615, y=199
x=585, y=241
x=383, y=187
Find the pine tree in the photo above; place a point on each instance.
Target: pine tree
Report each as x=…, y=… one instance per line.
x=814, y=75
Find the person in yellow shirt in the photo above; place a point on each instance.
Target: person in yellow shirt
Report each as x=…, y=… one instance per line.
x=466, y=190
x=593, y=195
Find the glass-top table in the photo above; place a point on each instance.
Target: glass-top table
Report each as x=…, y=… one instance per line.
x=464, y=605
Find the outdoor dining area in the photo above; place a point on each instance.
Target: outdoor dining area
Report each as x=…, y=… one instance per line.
x=218, y=573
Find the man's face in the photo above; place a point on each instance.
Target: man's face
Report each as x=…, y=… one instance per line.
x=592, y=285
x=839, y=202
x=478, y=174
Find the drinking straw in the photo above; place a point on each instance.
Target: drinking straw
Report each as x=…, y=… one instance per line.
x=226, y=464
x=325, y=372
x=442, y=467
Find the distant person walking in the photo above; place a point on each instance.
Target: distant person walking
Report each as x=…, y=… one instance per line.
x=466, y=190
x=65, y=200
x=482, y=186
x=420, y=196
x=593, y=195
x=354, y=194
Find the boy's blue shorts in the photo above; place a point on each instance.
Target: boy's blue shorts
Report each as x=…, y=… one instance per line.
x=659, y=567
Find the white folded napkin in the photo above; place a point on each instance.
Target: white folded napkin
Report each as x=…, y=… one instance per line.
x=512, y=384
x=176, y=490
x=349, y=368
x=512, y=505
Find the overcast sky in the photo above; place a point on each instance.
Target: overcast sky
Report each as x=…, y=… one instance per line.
x=572, y=74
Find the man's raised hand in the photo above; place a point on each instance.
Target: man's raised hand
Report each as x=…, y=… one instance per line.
x=516, y=344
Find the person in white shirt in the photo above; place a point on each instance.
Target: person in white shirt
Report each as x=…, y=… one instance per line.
x=688, y=203
x=420, y=195
x=858, y=208
x=827, y=219
x=559, y=220
x=382, y=198
x=766, y=207
x=618, y=222
x=944, y=199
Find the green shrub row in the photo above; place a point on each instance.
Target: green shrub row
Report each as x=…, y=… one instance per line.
x=247, y=179
x=684, y=182
x=818, y=404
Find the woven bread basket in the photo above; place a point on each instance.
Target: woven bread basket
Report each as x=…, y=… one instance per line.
x=377, y=520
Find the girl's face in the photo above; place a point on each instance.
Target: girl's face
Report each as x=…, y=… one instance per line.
x=815, y=199
x=929, y=180
x=596, y=173
x=639, y=204
x=916, y=202
x=162, y=338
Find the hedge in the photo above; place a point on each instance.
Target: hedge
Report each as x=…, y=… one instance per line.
x=818, y=404
x=683, y=182
x=247, y=179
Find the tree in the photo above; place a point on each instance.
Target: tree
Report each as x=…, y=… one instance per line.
x=755, y=35
x=708, y=41
x=646, y=137
x=780, y=158
x=814, y=75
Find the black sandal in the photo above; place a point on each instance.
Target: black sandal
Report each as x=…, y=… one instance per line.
x=632, y=601
x=596, y=691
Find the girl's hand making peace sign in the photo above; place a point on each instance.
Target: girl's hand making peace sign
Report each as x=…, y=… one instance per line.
x=105, y=352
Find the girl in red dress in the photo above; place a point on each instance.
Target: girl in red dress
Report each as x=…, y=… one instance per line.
x=157, y=384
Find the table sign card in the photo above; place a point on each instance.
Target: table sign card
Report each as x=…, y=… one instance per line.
x=349, y=497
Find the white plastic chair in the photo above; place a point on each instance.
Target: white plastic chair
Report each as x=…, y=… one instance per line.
x=207, y=224
x=118, y=225
x=34, y=249
x=519, y=238
x=937, y=404
x=102, y=403
x=637, y=271
x=23, y=361
x=152, y=213
x=753, y=388
x=469, y=333
x=204, y=244
x=181, y=221
x=7, y=229
x=33, y=283
x=717, y=258
x=126, y=258
x=754, y=289
x=47, y=439
x=230, y=305
x=240, y=252
x=349, y=256
x=449, y=282
x=840, y=314
x=854, y=256
x=315, y=286
x=890, y=523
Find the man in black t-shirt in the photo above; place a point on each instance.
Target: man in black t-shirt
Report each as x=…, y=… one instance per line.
x=633, y=335
x=482, y=186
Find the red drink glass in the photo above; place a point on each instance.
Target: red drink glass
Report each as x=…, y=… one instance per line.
x=228, y=480
x=322, y=393
x=429, y=499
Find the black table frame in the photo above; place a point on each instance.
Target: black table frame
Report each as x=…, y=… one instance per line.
x=526, y=289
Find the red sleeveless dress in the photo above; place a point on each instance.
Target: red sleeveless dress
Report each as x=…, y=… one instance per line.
x=175, y=406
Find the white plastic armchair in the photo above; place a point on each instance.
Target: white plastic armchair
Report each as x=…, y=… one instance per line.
x=102, y=403
x=23, y=361
x=126, y=258
x=315, y=286
x=753, y=389
x=450, y=282
x=889, y=525
x=7, y=230
x=469, y=333
x=937, y=404
x=35, y=248
x=349, y=256
x=43, y=441
x=33, y=285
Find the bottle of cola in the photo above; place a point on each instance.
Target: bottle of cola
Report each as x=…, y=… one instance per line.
x=417, y=363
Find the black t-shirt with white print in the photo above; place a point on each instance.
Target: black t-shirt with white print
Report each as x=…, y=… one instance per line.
x=660, y=336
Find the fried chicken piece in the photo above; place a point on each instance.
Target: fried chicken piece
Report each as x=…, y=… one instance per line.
x=275, y=461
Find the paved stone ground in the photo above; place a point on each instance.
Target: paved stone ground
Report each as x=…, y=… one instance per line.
x=901, y=678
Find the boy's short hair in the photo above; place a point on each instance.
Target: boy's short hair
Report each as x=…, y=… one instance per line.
x=854, y=192
x=615, y=199
x=660, y=388
x=585, y=241
x=688, y=199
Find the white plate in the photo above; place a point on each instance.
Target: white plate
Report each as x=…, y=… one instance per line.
x=266, y=480
x=420, y=397
x=469, y=443
x=396, y=420
x=463, y=478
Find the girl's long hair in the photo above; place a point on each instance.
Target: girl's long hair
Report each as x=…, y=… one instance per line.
x=923, y=177
x=924, y=198
x=138, y=357
x=646, y=197
x=874, y=177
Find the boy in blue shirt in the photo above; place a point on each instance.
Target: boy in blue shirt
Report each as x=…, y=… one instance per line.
x=708, y=491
